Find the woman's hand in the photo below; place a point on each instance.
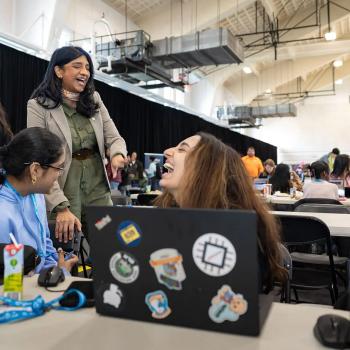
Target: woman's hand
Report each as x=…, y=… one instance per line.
x=67, y=264
x=65, y=223
x=118, y=162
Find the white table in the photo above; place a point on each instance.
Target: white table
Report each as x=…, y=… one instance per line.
x=338, y=224
x=287, y=327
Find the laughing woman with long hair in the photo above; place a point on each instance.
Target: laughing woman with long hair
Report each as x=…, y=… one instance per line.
x=203, y=172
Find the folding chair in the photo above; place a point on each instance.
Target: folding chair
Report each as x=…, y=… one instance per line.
x=310, y=271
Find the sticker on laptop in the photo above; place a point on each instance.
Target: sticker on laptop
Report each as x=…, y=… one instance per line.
x=214, y=254
x=227, y=306
x=101, y=223
x=129, y=233
x=167, y=264
x=124, y=267
x=157, y=302
x=113, y=296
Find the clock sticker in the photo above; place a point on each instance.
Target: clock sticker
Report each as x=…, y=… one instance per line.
x=214, y=254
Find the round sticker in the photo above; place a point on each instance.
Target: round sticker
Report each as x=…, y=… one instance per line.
x=129, y=233
x=214, y=254
x=124, y=267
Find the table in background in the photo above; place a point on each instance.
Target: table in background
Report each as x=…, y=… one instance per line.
x=287, y=327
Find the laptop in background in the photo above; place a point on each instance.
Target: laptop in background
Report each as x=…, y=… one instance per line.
x=192, y=268
x=259, y=184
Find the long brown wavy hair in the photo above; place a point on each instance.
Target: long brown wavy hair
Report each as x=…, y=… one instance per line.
x=216, y=178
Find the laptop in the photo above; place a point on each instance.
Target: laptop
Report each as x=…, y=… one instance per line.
x=194, y=268
x=260, y=183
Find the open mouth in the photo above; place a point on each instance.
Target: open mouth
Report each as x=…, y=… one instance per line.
x=81, y=81
x=168, y=168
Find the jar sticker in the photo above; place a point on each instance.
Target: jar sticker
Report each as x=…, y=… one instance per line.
x=167, y=264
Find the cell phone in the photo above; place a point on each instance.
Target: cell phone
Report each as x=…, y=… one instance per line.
x=86, y=287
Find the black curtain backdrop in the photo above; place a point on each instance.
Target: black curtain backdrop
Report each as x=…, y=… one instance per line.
x=145, y=125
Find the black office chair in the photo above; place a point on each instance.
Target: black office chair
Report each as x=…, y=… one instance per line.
x=287, y=263
x=322, y=208
x=75, y=245
x=146, y=199
x=315, y=201
x=310, y=271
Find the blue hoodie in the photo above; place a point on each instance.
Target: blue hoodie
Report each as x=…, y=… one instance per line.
x=17, y=215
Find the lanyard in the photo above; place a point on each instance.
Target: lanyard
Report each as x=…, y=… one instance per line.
x=37, y=307
x=42, y=247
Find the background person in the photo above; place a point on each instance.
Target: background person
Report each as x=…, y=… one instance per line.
x=66, y=104
x=33, y=161
x=187, y=185
x=319, y=187
x=280, y=180
x=330, y=158
x=341, y=169
x=269, y=168
x=252, y=164
x=135, y=170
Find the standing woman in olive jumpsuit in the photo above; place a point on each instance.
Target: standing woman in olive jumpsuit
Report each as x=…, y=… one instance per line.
x=67, y=104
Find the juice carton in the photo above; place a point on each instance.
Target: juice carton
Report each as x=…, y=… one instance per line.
x=13, y=274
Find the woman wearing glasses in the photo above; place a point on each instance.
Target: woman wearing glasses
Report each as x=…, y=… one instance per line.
x=66, y=104
x=32, y=162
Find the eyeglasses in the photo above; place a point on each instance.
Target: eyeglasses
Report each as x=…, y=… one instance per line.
x=60, y=169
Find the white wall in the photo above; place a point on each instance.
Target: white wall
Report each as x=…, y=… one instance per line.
x=81, y=14
x=321, y=124
x=28, y=26
x=6, y=12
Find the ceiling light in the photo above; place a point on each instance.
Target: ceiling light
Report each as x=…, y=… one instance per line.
x=337, y=63
x=329, y=36
x=339, y=81
x=268, y=91
x=247, y=70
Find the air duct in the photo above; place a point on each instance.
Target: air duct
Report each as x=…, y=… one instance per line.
x=208, y=47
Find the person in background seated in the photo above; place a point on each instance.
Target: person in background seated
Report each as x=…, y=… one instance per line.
x=320, y=187
x=269, y=169
x=330, y=158
x=187, y=185
x=252, y=164
x=341, y=170
x=280, y=180
x=5, y=130
x=32, y=162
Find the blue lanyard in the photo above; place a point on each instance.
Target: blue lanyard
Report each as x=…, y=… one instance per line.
x=42, y=249
x=37, y=307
